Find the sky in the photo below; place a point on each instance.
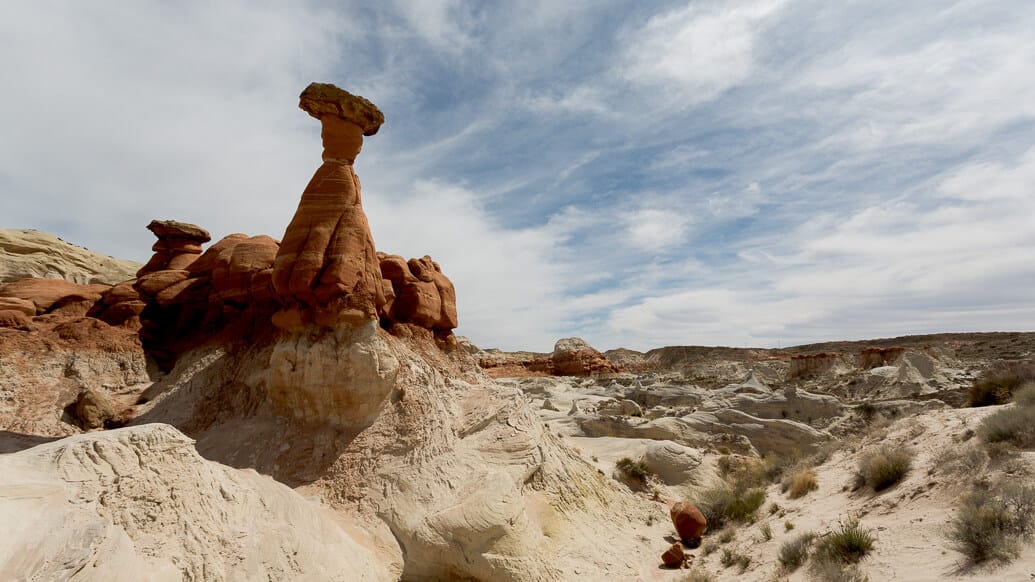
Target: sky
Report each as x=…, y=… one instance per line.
x=745, y=173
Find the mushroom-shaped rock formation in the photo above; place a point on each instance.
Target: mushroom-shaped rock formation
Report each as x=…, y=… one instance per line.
x=327, y=270
x=179, y=245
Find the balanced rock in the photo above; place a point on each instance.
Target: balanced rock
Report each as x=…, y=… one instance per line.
x=327, y=268
x=689, y=521
x=179, y=245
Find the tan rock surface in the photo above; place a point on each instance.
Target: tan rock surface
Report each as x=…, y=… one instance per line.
x=31, y=253
x=141, y=503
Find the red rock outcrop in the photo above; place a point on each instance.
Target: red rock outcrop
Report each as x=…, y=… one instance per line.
x=326, y=269
x=570, y=357
x=689, y=521
x=53, y=295
x=420, y=293
x=877, y=357
x=179, y=245
x=231, y=278
x=811, y=364
x=574, y=357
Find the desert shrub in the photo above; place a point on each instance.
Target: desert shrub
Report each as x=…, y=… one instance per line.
x=633, y=469
x=730, y=558
x=997, y=385
x=727, y=536
x=990, y=523
x=767, y=531
x=729, y=502
x=708, y=548
x=1014, y=425
x=799, y=483
x=788, y=525
x=846, y=545
x=1025, y=395
x=885, y=467
x=774, y=508
x=793, y=553
x=960, y=459
x=835, y=572
x=696, y=575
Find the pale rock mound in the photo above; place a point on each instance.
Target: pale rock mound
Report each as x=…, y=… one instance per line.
x=140, y=502
x=459, y=471
x=31, y=253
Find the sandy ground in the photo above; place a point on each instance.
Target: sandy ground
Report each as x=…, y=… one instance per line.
x=909, y=520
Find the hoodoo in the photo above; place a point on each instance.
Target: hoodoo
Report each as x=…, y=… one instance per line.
x=327, y=268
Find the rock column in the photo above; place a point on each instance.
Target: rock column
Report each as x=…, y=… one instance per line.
x=179, y=245
x=326, y=270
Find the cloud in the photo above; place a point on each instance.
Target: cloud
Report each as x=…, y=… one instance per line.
x=757, y=172
x=698, y=51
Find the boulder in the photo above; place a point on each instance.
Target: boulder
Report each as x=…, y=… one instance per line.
x=574, y=357
x=689, y=521
x=674, y=556
x=92, y=409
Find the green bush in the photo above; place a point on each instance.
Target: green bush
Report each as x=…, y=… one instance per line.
x=847, y=545
x=793, y=553
x=1014, y=425
x=727, y=502
x=633, y=469
x=885, y=467
x=990, y=524
x=767, y=531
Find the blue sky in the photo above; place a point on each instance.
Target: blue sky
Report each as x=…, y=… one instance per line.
x=761, y=173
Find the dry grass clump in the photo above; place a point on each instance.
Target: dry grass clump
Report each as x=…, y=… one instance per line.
x=837, y=552
x=961, y=459
x=885, y=467
x=793, y=553
x=696, y=575
x=634, y=470
x=731, y=558
x=1015, y=424
x=990, y=524
x=846, y=545
x=1025, y=395
x=997, y=385
x=799, y=483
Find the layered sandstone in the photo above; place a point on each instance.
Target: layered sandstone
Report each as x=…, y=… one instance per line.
x=179, y=245
x=33, y=254
x=326, y=270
